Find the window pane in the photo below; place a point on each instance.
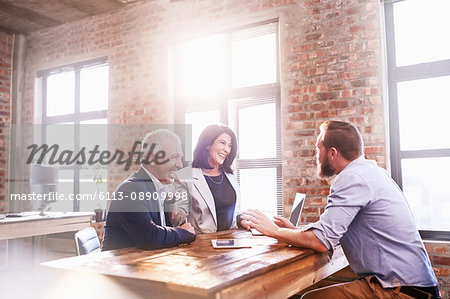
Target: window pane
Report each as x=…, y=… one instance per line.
x=99, y=121
x=260, y=142
x=65, y=186
x=94, y=88
x=254, y=61
x=425, y=183
x=63, y=136
x=93, y=178
x=421, y=28
x=199, y=121
x=92, y=135
x=259, y=189
x=60, y=93
x=93, y=185
x=202, y=66
x=423, y=113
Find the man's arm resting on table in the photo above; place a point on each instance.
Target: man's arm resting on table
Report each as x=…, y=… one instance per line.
x=298, y=238
x=282, y=230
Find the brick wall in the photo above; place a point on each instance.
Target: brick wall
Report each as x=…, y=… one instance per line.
x=439, y=254
x=99, y=228
x=330, y=68
x=6, y=52
x=333, y=69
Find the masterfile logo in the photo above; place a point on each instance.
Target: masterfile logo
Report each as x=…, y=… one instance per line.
x=94, y=156
x=79, y=166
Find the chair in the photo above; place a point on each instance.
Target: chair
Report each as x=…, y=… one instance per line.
x=86, y=241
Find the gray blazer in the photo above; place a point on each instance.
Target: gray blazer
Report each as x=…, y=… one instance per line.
x=202, y=213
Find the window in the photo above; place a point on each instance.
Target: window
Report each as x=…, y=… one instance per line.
x=233, y=78
x=74, y=115
x=419, y=76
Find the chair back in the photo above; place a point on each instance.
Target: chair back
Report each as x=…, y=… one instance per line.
x=86, y=241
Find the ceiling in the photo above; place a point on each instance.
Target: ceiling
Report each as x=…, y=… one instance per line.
x=25, y=16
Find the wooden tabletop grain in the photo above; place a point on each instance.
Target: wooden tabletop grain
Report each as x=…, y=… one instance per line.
x=269, y=269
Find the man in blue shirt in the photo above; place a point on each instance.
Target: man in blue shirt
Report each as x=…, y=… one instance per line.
x=368, y=215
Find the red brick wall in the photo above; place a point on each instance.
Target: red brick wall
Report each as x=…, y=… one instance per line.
x=440, y=259
x=334, y=66
x=99, y=228
x=6, y=52
x=330, y=68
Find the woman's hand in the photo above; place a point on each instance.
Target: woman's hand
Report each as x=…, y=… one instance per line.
x=283, y=222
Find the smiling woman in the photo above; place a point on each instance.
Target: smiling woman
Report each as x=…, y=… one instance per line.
x=232, y=77
x=215, y=193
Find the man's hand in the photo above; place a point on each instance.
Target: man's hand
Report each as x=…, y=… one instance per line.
x=245, y=224
x=242, y=223
x=187, y=226
x=296, y=237
x=283, y=222
x=257, y=219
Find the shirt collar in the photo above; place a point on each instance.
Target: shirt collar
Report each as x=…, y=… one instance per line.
x=360, y=158
x=158, y=185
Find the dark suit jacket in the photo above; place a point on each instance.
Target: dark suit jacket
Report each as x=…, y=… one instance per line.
x=137, y=223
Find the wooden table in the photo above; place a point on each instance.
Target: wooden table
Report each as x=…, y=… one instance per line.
x=31, y=224
x=270, y=269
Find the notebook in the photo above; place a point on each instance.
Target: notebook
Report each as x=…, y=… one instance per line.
x=297, y=207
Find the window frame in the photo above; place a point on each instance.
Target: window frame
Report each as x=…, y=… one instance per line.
x=398, y=74
x=257, y=94
x=76, y=117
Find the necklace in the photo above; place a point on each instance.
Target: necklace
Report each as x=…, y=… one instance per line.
x=216, y=182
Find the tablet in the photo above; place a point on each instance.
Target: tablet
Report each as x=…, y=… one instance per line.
x=297, y=207
x=256, y=232
x=231, y=243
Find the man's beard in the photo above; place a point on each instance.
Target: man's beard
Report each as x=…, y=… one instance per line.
x=325, y=169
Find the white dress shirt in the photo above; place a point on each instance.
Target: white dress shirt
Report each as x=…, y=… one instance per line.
x=159, y=189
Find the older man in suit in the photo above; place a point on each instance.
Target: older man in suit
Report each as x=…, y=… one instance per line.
x=136, y=217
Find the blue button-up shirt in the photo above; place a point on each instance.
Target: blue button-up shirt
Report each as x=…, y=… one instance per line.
x=370, y=217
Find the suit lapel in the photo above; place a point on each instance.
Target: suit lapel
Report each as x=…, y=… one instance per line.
x=142, y=177
x=202, y=187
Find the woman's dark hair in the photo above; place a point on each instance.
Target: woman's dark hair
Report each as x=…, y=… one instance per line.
x=344, y=137
x=207, y=137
